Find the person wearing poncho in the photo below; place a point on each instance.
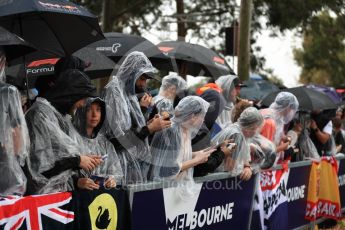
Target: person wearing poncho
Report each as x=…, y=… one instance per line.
x=88, y=121
x=172, y=153
x=246, y=127
x=14, y=138
x=228, y=85
x=55, y=156
x=125, y=124
x=172, y=84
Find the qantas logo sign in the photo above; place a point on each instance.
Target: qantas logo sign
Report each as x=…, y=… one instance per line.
x=13, y=212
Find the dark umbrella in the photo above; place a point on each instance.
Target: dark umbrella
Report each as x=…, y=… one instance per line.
x=329, y=91
x=118, y=45
x=194, y=59
x=13, y=45
x=255, y=90
x=41, y=65
x=308, y=99
x=54, y=26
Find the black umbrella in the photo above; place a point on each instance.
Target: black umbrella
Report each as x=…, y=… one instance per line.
x=255, y=90
x=41, y=65
x=54, y=26
x=309, y=99
x=194, y=59
x=13, y=45
x=118, y=45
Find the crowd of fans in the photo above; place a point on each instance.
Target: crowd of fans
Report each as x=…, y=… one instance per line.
x=72, y=138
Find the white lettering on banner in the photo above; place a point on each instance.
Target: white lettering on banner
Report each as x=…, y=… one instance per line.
x=40, y=70
x=341, y=180
x=201, y=218
x=321, y=209
x=295, y=193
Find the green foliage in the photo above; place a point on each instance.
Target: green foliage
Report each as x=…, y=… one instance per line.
x=126, y=13
x=322, y=57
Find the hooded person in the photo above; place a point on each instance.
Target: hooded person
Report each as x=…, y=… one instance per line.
x=88, y=121
x=173, y=158
x=172, y=84
x=125, y=123
x=241, y=132
x=55, y=155
x=228, y=85
x=45, y=83
x=280, y=113
x=203, y=139
x=14, y=138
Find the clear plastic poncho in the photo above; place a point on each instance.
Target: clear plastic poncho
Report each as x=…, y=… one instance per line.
x=98, y=143
x=227, y=83
x=264, y=155
x=250, y=119
x=282, y=111
x=172, y=147
x=124, y=114
x=50, y=142
x=172, y=84
x=14, y=138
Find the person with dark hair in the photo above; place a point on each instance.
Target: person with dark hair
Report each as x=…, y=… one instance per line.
x=14, y=138
x=88, y=121
x=338, y=136
x=55, y=155
x=44, y=83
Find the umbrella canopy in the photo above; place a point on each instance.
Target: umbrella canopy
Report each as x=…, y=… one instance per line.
x=329, y=91
x=194, y=59
x=118, y=45
x=309, y=99
x=58, y=27
x=255, y=90
x=41, y=65
x=13, y=45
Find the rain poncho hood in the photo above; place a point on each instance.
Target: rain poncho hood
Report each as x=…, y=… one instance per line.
x=249, y=118
x=51, y=141
x=227, y=84
x=162, y=102
x=79, y=119
x=98, y=143
x=124, y=116
x=282, y=111
x=71, y=86
x=14, y=138
x=171, y=147
x=2, y=65
x=70, y=62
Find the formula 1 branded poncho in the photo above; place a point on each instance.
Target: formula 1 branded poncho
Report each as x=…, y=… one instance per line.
x=172, y=84
x=124, y=117
x=227, y=84
x=250, y=118
x=14, y=138
x=98, y=143
x=171, y=147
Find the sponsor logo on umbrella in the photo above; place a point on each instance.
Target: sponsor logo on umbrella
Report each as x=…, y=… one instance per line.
x=218, y=60
x=113, y=48
x=165, y=49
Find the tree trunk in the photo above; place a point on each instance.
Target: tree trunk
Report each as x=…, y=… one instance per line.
x=181, y=27
x=244, y=40
x=107, y=26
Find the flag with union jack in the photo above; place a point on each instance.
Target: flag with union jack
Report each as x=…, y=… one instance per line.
x=14, y=211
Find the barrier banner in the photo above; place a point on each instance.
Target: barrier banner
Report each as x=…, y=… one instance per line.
x=102, y=209
x=297, y=191
x=323, y=195
x=341, y=180
x=217, y=204
x=270, y=203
